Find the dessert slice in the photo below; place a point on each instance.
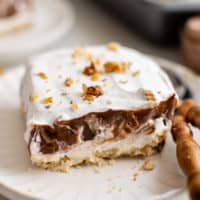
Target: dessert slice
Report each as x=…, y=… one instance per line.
x=85, y=105
x=15, y=15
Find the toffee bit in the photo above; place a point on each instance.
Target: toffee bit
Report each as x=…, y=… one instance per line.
x=90, y=92
x=149, y=96
x=68, y=82
x=92, y=58
x=95, y=77
x=136, y=73
x=148, y=165
x=34, y=96
x=73, y=106
x=110, y=67
x=42, y=75
x=90, y=70
x=113, y=46
x=47, y=100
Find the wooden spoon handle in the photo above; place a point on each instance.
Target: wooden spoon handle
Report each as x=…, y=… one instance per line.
x=191, y=112
x=188, y=155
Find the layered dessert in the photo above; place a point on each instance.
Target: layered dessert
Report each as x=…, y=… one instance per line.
x=15, y=16
x=89, y=104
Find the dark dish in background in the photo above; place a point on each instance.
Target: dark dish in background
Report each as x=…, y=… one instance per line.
x=160, y=21
x=190, y=43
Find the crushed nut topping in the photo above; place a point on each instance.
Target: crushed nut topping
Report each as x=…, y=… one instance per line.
x=2, y=70
x=68, y=82
x=95, y=77
x=148, y=165
x=42, y=75
x=90, y=92
x=113, y=46
x=92, y=58
x=47, y=100
x=136, y=73
x=74, y=106
x=90, y=70
x=34, y=96
x=149, y=96
x=110, y=67
x=78, y=52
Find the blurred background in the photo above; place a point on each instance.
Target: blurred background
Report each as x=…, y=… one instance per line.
x=156, y=27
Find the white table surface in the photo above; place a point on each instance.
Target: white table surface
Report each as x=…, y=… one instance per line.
x=94, y=25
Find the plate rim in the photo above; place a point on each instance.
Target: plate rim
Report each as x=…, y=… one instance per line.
x=64, y=27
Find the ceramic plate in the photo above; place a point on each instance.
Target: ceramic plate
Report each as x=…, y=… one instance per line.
x=52, y=19
x=19, y=180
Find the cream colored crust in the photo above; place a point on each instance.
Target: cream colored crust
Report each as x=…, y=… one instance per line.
x=102, y=158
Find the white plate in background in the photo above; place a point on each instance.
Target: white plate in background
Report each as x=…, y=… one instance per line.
x=52, y=19
x=19, y=180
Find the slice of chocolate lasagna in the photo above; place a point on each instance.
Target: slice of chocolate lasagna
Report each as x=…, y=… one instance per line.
x=88, y=104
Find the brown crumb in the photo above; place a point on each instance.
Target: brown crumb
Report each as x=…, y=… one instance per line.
x=110, y=67
x=42, y=75
x=47, y=100
x=95, y=77
x=68, y=82
x=74, y=106
x=2, y=71
x=90, y=92
x=90, y=70
x=113, y=46
x=34, y=96
x=136, y=73
x=149, y=96
x=148, y=165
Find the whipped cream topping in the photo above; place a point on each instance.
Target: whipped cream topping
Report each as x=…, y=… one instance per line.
x=46, y=97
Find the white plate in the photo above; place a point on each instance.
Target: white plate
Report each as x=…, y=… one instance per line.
x=52, y=19
x=19, y=180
